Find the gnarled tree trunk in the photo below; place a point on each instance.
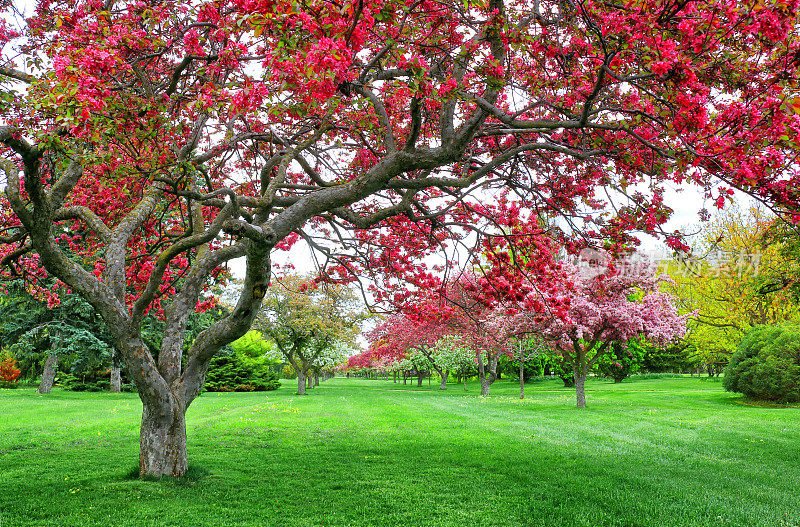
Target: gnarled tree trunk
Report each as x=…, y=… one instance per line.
x=301, y=382
x=49, y=374
x=162, y=442
x=443, y=386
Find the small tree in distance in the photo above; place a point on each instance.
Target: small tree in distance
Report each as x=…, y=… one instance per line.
x=306, y=319
x=454, y=355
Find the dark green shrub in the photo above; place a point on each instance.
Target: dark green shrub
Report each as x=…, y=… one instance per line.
x=562, y=369
x=230, y=372
x=622, y=360
x=673, y=358
x=509, y=367
x=89, y=382
x=766, y=365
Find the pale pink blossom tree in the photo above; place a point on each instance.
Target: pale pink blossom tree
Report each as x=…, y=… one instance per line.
x=615, y=303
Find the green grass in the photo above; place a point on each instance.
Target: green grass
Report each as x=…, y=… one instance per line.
x=662, y=452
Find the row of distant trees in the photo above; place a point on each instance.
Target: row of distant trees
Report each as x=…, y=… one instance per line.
x=303, y=331
x=451, y=359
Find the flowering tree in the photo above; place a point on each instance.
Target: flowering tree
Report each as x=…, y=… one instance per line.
x=148, y=143
x=459, y=307
x=331, y=357
x=616, y=302
x=306, y=320
x=402, y=335
x=454, y=356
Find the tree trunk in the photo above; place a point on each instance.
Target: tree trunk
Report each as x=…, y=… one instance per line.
x=443, y=386
x=309, y=381
x=580, y=369
x=116, y=379
x=580, y=390
x=394, y=376
x=162, y=443
x=301, y=383
x=521, y=379
x=116, y=373
x=465, y=383
x=482, y=376
x=405, y=378
x=419, y=378
x=49, y=374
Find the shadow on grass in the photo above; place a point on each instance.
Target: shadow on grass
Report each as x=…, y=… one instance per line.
x=193, y=474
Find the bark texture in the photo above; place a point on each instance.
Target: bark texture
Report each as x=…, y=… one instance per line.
x=580, y=389
x=116, y=379
x=162, y=443
x=48, y=375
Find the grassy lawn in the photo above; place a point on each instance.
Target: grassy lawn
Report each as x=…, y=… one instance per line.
x=353, y=452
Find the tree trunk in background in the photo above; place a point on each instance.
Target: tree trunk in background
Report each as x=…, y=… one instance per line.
x=485, y=384
x=316, y=379
x=116, y=379
x=419, y=378
x=521, y=379
x=49, y=374
x=116, y=373
x=443, y=386
x=394, y=376
x=301, y=383
x=162, y=443
x=581, y=371
x=580, y=389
